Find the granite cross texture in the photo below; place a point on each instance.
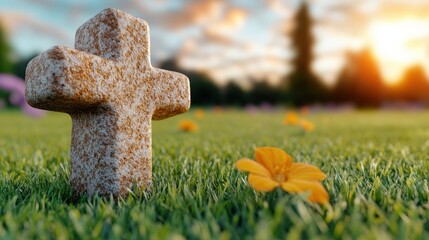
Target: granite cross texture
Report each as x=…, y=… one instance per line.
x=109, y=88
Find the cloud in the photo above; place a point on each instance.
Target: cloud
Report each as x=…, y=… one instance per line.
x=169, y=15
x=240, y=61
x=18, y=21
x=215, y=38
x=196, y=12
x=280, y=7
x=234, y=17
x=228, y=49
x=396, y=9
x=223, y=30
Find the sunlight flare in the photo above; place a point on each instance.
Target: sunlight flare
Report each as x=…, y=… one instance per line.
x=398, y=44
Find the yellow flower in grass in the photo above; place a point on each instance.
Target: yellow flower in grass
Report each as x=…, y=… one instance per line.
x=291, y=118
x=306, y=125
x=188, y=126
x=274, y=168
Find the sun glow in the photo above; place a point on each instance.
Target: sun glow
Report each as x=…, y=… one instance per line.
x=398, y=45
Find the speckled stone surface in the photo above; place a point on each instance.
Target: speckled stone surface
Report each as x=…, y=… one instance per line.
x=112, y=93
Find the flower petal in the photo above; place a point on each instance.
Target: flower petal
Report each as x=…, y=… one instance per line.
x=270, y=157
x=247, y=165
x=317, y=191
x=305, y=172
x=260, y=183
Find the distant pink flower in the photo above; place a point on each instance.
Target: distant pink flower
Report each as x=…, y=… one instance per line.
x=267, y=107
x=16, y=87
x=250, y=108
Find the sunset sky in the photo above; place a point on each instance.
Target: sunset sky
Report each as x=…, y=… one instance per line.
x=239, y=39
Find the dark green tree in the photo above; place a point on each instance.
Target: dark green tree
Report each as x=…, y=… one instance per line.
x=21, y=65
x=5, y=62
x=304, y=86
x=233, y=94
x=5, y=52
x=262, y=92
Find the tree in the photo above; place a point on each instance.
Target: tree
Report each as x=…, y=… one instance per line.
x=414, y=85
x=262, y=92
x=304, y=85
x=21, y=65
x=5, y=53
x=360, y=81
x=233, y=94
x=203, y=90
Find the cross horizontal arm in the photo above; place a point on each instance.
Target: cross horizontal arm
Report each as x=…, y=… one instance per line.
x=67, y=80
x=170, y=94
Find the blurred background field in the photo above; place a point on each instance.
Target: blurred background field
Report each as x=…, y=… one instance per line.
x=376, y=163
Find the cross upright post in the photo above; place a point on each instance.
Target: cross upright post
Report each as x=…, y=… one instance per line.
x=109, y=88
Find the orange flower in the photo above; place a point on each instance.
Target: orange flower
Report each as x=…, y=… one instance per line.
x=199, y=113
x=274, y=168
x=188, y=126
x=306, y=125
x=291, y=118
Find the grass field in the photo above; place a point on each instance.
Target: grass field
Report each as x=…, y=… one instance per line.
x=377, y=165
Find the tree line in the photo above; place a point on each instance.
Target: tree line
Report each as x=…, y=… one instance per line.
x=360, y=83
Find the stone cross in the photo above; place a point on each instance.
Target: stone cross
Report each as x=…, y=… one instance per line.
x=109, y=88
